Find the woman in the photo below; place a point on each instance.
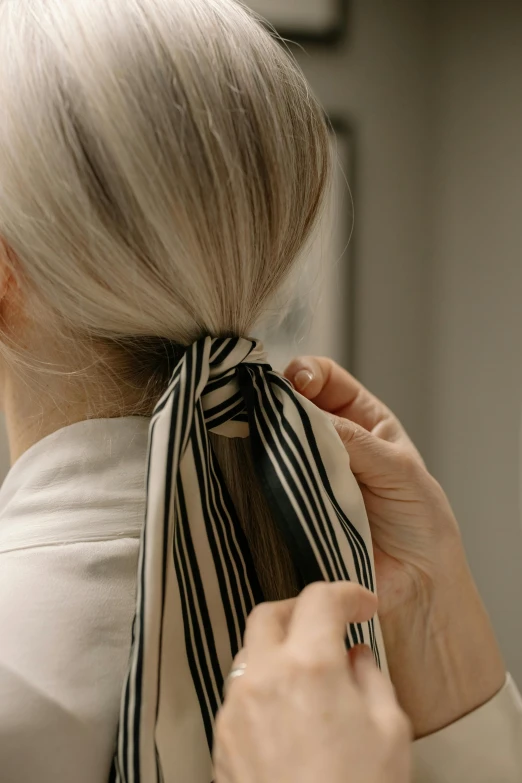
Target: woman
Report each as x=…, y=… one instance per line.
x=162, y=164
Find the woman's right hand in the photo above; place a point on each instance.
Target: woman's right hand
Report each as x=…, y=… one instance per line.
x=305, y=710
x=443, y=656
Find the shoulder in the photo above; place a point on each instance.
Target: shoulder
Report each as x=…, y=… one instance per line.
x=66, y=615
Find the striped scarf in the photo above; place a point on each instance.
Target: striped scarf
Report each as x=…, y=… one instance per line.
x=196, y=580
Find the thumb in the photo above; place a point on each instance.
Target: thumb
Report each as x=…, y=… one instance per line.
x=370, y=456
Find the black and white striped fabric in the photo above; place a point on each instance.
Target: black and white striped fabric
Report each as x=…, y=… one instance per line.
x=196, y=581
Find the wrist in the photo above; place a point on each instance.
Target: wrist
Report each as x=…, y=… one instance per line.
x=443, y=656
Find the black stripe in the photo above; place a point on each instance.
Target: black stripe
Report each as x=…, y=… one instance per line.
x=212, y=679
x=180, y=566
x=222, y=562
x=218, y=383
x=113, y=772
x=225, y=410
x=193, y=368
x=225, y=346
x=236, y=415
x=161, y=405
x=167, y=511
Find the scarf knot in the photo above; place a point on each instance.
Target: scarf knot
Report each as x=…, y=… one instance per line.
x=222, y=399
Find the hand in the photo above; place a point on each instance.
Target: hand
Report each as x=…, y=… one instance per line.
x=443, y=656
x=304, y=710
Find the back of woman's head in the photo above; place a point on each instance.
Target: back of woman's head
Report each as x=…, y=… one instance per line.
x=161, y=164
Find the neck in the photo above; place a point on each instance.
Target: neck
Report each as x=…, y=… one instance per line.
x=36, y=404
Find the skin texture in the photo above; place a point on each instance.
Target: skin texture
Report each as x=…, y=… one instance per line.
x=443, y=656
x=301, y=696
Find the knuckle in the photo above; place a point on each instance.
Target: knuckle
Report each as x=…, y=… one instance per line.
x=328, y=597
x=335, y=594
x=317, y=591
x=260, y=613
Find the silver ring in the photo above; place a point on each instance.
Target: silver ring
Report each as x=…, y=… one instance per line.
x=235, y=672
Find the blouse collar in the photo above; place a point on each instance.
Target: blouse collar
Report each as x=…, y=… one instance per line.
x=85, y=482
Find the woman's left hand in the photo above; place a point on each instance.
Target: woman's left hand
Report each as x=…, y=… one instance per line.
x=305, y=710
x=442, y=653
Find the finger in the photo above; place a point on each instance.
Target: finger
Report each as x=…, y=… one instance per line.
x=354, y=652
x=377, y=689
x=333, y=389
x=321, y=615
x=267, y=625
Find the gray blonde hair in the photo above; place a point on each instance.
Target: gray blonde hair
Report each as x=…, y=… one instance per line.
x=162, y=163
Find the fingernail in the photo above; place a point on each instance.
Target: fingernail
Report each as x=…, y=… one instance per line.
x=302, y=379
x=363, y=653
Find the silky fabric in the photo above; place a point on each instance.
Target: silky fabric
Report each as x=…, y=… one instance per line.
x=196, y=582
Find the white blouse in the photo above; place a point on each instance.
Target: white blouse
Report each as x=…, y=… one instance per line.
x=71, y=512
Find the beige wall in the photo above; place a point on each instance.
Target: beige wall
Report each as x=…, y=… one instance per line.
x=476, y=404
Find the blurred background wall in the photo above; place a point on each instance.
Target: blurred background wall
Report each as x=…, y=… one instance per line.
x=432, y=92
x=475, y=356
x=377, y=80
